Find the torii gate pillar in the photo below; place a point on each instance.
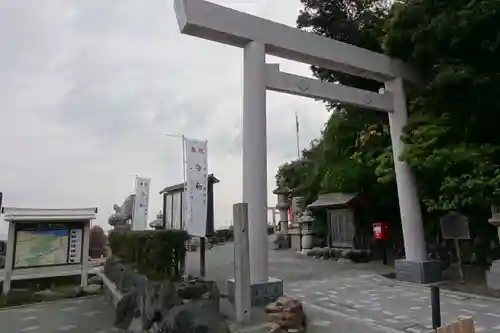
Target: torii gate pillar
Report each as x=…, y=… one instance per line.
x=255, y=158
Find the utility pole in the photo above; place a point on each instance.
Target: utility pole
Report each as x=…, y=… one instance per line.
x=297, y=133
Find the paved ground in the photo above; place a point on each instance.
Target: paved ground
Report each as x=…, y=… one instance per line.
x=359, y=293
x=398, y=306
x=339, y=297
x=84, y=315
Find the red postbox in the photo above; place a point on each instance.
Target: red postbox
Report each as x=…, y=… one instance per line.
x=381, y=231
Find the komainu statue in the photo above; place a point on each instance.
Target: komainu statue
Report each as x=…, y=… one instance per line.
x=123, y=215
x=158, y=223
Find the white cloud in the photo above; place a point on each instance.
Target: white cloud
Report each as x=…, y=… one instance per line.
x=88, y=88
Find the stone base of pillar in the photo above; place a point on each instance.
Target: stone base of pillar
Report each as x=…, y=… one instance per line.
x=493, y=276
x=295, y=239
x=307, y=240
x=282, y=241
x=422, y=272
x=262, y=293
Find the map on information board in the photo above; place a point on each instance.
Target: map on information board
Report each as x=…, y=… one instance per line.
x=41, y=247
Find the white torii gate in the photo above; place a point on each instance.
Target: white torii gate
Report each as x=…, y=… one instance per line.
x=259, y=37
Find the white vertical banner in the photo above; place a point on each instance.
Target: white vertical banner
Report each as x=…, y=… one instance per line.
x=196, y=187
x=140, y=214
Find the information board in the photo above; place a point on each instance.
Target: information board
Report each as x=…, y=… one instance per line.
x=455, y=226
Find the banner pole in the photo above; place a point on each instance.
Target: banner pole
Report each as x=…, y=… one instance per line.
x=184, y=160
x=203, y=265
x=132, y=222
x=184, y=213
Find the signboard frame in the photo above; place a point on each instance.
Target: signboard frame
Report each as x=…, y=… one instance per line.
x=455, y=226
x=33, y=226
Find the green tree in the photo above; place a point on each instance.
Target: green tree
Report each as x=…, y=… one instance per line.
x=343, y=158
x=451, y=138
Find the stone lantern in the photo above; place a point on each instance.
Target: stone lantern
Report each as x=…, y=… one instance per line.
x=493, y=275
x=306, y=221
x=495, y=218
x=283, y=193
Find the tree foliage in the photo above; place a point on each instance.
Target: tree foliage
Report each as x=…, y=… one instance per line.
x=451, y=141
x=97, y=242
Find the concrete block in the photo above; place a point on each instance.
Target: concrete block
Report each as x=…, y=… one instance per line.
x=422, y=272
x=493, y=276
x=296, y=241
x=261, y=293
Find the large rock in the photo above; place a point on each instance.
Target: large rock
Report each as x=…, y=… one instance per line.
x=157, y=300
x=287, y=313
x=126, y=310
x=163, y=306
x=192, y=289
x=199, y=316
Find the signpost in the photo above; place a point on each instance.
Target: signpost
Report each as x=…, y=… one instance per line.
x=242, y=291
x=196, y=182
x=456, y=226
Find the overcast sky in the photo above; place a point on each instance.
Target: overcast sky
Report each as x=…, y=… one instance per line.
x=89, y=87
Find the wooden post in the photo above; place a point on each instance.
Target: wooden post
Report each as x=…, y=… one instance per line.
x=459, y=258
x=242, y=297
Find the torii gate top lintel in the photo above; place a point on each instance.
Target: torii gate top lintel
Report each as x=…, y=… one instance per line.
x=203, y=19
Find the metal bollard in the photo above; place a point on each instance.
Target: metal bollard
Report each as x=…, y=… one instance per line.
x=436, y=307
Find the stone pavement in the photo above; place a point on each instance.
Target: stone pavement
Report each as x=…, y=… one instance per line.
x=83, y=315
x=402, y=307
x=350, y=295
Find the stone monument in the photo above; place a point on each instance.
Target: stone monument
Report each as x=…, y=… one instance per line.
x=493, y=274
x=120, y=220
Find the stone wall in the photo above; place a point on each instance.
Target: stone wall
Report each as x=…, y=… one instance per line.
x=142, y=305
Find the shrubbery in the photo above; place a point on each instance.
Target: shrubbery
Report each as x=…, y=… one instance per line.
x=98, y=242
x=227, y=235
x=357, y=256
x=154, y=253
